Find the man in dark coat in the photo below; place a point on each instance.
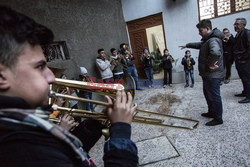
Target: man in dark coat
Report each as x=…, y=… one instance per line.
x=210, y=65
x=242, y=57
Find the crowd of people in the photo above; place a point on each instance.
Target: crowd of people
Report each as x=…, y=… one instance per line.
x=122, y=62
x=25, y=84
x=218, y=50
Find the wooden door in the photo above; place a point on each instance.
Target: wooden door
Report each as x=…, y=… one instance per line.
x=138, y=40
x=138, y=37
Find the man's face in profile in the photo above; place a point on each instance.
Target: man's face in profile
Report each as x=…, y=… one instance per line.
x=102, y=54
x=203, y=31
x=30, y=77
x=238, y=26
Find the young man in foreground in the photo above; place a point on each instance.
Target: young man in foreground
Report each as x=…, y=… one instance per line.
x=26, y=137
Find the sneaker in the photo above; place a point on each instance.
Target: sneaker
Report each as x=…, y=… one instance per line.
x=207, y=115
x=186, y=86
x=164, y=86
x=214, y=122
x=191, y=86
x=170, y=85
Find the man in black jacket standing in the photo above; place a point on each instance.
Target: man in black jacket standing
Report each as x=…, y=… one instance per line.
x=210, y=65
x=228, y=53
x=26, y=137
x=241, y=51
x=167, y=61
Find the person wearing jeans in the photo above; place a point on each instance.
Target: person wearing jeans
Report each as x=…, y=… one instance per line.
x=241, y=50
x=211, y=90
x=129, y=60
x=211, y=68
x=188, y=63
x=191, y=73
x=147, y=60
x=149, y=74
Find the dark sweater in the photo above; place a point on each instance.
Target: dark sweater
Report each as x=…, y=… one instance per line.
x=25, y=144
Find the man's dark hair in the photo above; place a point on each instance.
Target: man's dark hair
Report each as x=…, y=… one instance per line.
x=100, y=50
x=145, y=49
x=243, y=20
x=16, y=30
x=187, y=51
x=225, y=29
x=165, y=50
x=122, y=44
x=112, y=50
x=204, y=24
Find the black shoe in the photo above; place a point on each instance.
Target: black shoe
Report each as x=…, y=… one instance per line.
x=208, y=115
x=139, y=89
x=240, y=95
x=186, y=86
x=191, y=86
x=226, y=81
x=214, y=122
x=246, y=100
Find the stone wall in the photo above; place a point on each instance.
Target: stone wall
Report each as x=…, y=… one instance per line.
x=85, y=25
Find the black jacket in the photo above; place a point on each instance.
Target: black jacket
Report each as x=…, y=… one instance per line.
x=25, y=144
x=147, y=62
x=167, y=63
x=228, y=50
x=242, y=45
x=211, y=51
x=184, y=63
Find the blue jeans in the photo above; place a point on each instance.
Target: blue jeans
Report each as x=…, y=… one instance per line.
x=211, y=90
x=191, y=73
x=149, y=74
x=108, y=80
x=118, y=76
x=89, y=106
x=133, y=72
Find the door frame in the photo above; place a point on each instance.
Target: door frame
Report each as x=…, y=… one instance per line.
x=137, y=45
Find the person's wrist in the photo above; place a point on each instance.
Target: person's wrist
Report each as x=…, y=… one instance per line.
x=120, y=130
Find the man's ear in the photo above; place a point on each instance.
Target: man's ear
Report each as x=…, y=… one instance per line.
x=4, y=83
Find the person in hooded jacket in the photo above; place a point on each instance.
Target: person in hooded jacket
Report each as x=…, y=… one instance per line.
x=210, y=66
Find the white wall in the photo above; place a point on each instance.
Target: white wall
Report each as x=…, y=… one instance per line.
x=179, y=20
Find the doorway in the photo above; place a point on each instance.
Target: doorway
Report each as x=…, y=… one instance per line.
x=147, y=32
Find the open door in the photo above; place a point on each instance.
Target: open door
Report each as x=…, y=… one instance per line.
x=147, y=32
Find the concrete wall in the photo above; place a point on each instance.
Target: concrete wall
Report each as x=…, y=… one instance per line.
x=179, y=20
x=85, y=25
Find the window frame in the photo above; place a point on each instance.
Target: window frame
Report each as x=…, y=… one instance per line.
x=215, y=7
